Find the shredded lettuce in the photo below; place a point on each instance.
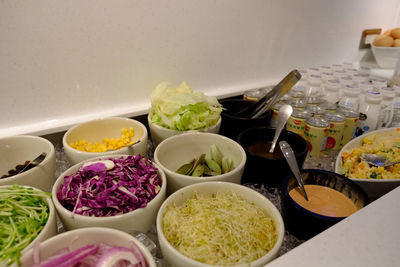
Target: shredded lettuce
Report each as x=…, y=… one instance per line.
x=23, y=214
x=179, y=108
x=101, y=189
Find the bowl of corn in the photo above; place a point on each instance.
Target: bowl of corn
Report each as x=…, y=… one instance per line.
x=105, y=136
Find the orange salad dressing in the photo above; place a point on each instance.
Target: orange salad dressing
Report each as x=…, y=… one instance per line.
x=324, y=200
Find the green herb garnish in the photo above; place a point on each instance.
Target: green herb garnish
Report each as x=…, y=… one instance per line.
x=23, y=214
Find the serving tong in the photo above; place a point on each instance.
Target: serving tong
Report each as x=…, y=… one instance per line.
x=268, y=100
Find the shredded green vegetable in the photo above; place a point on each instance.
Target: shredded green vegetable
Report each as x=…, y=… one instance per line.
x=180, y=108
x=23, y=214
x=222, y=229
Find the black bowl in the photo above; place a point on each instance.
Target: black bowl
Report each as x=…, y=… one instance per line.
x=232, y=125
x=269, y=171
x=305, y=224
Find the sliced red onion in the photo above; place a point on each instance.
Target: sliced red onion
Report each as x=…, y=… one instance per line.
x=69, y=259
x=117, y=254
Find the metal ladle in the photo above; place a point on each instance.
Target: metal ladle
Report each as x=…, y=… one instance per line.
x=284, y=113
x=291, y=160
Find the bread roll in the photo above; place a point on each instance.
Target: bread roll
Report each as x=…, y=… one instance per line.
x=396, y=43
x=383, y=40
x=388, y=32
x=395, y=33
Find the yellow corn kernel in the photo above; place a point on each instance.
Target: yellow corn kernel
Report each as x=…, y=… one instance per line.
x=108, y=144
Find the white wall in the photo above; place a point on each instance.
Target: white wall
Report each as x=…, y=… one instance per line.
x=62, y=62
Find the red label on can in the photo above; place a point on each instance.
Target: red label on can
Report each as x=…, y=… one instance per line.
x=307, y=128
x=297, y=122
x=330, y=142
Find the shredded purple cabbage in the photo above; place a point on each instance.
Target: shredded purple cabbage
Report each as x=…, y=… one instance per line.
x=96, y=191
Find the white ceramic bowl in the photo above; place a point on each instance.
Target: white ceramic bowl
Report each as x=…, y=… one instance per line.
x=159, y=133
x=175, y=258
x=97, y=130
x=373, y=187
x=16, y=150
x=386, y=57
x=139, y=220
x=86, y=236
x=50, y=228
x=177, y=150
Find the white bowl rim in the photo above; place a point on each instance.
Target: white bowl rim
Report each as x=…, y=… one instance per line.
x=82, y=231
x=60, y=179
x=186, y=131
x=160, y=233
x=45, y=161
x=141, y=139
x=205, y=178
x=345, y=147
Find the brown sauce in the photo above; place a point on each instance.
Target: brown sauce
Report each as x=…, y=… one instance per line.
x=324, y=200
x=261, y=149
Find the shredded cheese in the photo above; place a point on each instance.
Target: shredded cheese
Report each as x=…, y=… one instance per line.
x=222, y=229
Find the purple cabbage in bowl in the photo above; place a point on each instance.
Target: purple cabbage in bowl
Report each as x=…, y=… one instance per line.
x=110, y=187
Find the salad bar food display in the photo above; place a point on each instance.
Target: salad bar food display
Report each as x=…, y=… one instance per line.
x=206, y=199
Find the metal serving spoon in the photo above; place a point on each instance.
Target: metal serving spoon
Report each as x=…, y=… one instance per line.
x=291, y=160
x=376, y=160
x=284, y=113
x=34, y=162
x=127, y=146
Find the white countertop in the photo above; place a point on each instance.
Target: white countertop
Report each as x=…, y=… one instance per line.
x=370, y=237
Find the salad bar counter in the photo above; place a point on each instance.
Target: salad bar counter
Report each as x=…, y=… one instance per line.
x=274, y=194
x=193, y=199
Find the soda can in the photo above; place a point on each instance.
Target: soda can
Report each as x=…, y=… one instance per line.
x=297, y=94
x=274, y=117
x=299, y=104
x=297, y=122
x=253, y=95
x=330, y=107
x=316, y=134
x=336, y=129
x=313, y=101
x=350, y=125
x=315, y=111
x=286, y=98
